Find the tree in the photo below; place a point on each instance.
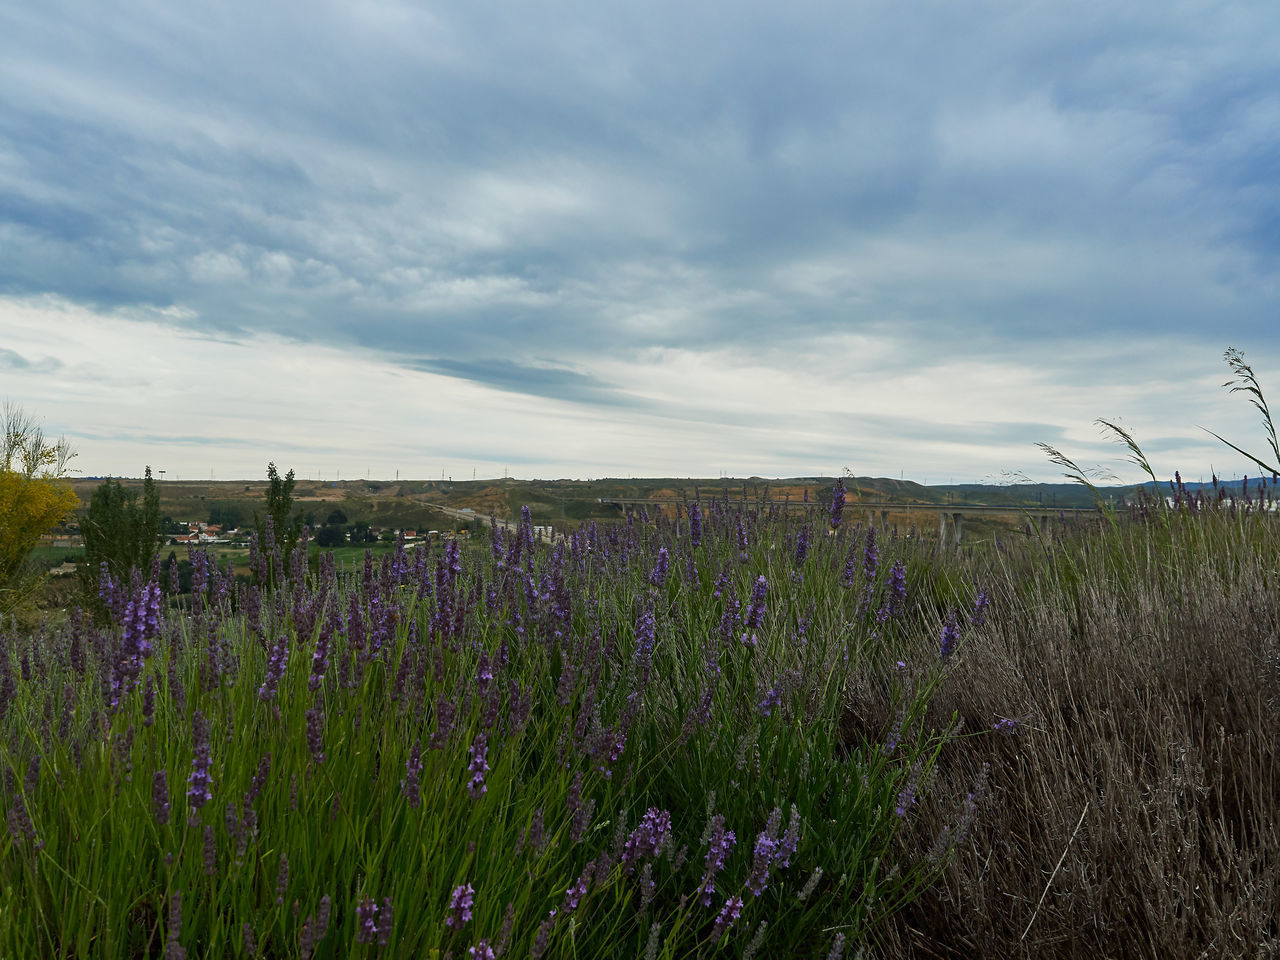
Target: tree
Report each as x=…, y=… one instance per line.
x=330, y=535
x=226, y=515
x=279, y=509
x=120, y=530
x=34, y=498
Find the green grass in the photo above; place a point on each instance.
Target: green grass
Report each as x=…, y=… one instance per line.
x=587, y=728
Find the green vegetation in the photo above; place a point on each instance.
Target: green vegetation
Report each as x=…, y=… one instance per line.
x=279, y=527
x=566, y=747
x=34, y=498
x=121, y=530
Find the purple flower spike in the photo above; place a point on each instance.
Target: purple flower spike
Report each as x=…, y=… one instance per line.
x=409, y=786
x=837, y=504
x=575, y=893
x=766, y=852
x=980, y=609
x=200, y=783
x=275, y=668
x=160, y=796
x=315, y=734
x=721, y=842
x=756, y=610
x=1005, y=725
x=907, y=795
x=647, y=839
x=950, y=634
x=771, y=699
x=695, y=524
x=658, y=575
x=460, y=903
x=730, y=912
x=479, y=766
x=870, y=555
x=802, y=547
x=366, y=921
x=646, y=632
x=481, y=951
x=897, y=588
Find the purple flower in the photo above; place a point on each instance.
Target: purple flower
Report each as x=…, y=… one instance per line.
x=756, y=610
x=950, y=634
x=21, y=829
x=658, y=575
x=730, y=912
x=766, y=851
x=837, y=503
x=282, y=880
x=897, y=588
x=446, y=712
x=409, y=786
x=980, y=609
x=695, y=524
x=730, y=618
x=1005, y=725
x=315, y=734
x=481, y=951
x=384, y=926
x=802, y=547
x=647, y=839
x=720, y=843
x=200, y=783
x=895, y=732
x=578, y=890
x=907, y=795
x=646, y=632
x=460, y=903
x=479, y=766
x=320, y=658
x=366, y=921
x=790, y=840
x=771, y=699
x=275, y=668
x=484, y=672
x=160, y=796
x=173, y=950
x=721, y=584
x=313, y=930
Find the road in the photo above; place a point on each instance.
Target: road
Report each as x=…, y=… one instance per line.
x=545, y=535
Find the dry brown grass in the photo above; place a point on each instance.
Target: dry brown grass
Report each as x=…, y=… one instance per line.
x=1147, y=671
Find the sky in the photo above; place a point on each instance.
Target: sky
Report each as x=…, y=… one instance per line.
x=547, y=239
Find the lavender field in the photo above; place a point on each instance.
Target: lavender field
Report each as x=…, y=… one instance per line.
x=733, y=731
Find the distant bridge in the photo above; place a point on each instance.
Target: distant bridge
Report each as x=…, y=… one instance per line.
x=950, y=515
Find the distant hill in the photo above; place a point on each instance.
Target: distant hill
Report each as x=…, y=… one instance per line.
x=412, y=503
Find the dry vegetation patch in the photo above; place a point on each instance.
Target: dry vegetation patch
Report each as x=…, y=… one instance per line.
x=1135, y=804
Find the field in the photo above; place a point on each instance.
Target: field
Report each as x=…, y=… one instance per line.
x=726, y=731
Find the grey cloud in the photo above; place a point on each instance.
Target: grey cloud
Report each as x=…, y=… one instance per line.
x=456, y=184
x=513, y=377
x=11, y=360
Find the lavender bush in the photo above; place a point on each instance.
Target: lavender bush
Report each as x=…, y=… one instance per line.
x=631, y=742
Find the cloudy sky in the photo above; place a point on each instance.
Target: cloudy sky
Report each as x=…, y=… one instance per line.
x=595, y=239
